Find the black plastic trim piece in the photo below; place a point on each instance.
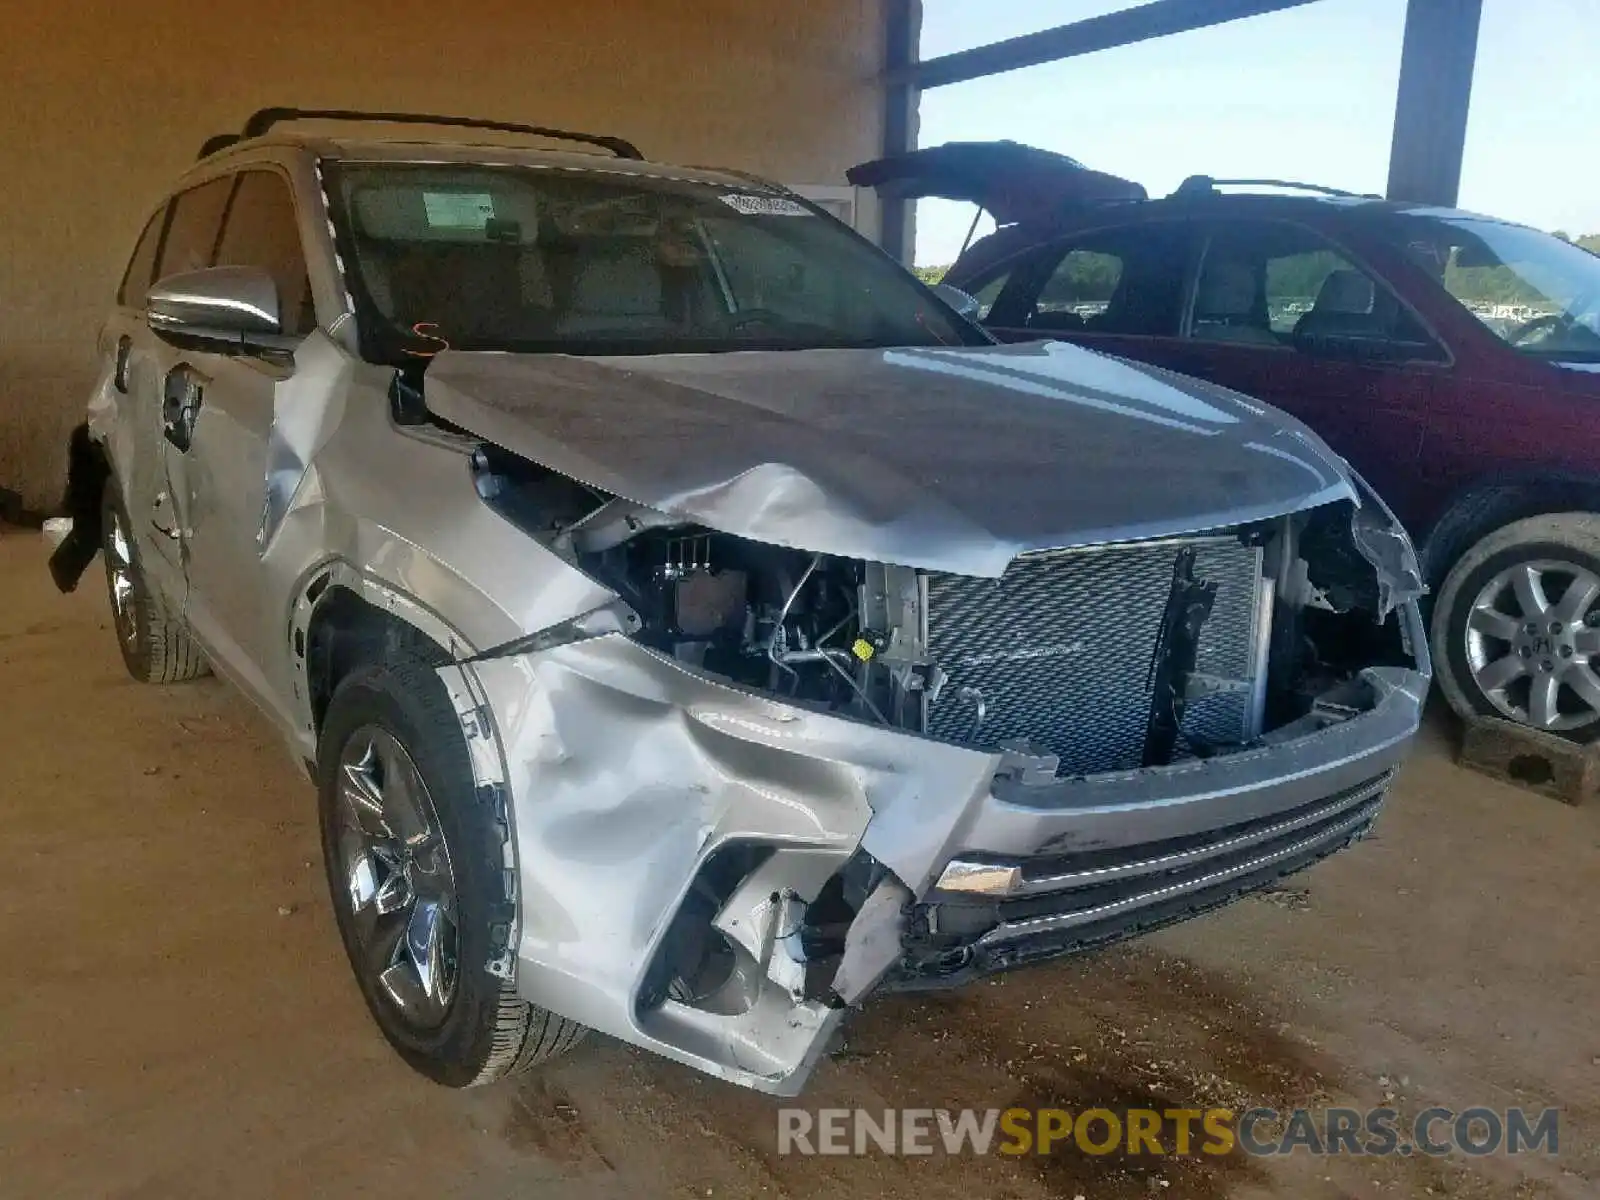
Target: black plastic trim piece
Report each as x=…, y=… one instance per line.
x=265, y=119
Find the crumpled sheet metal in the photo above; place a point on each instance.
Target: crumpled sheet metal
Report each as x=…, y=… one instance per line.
x=440, y=559
x=627, y=771
x=307, y=408
x=1384, y=543
x=945, y=459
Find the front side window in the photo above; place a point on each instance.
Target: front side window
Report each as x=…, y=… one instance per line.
x=1273, y=284
x=262, y=231
x=592, y=262
x=136, y=280
x=1534, y=291
x=192, y=232
x=1120, y=281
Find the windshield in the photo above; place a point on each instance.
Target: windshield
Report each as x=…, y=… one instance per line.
x=1536, y=292
x=473, y=257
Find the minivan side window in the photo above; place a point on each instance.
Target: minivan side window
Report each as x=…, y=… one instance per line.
x=1273, y=284
x=1128, y=280
x=261, y=231
x=192, y=233
x=136, y=280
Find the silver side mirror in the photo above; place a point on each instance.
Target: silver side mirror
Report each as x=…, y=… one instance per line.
x=964, y=304
x=223, y=310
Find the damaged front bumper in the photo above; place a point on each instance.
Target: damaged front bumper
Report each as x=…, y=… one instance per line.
x=633, y=782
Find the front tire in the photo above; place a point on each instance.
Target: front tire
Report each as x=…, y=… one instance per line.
x=1516, y=628
x=415, y=859
x=156, y=645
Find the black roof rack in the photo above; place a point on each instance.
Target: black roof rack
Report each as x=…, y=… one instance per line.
x=1201, y=185
x=262, y=121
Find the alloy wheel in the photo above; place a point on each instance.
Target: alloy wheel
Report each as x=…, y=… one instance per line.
x=1532, y=643
x=397, y=876
x=120, y=570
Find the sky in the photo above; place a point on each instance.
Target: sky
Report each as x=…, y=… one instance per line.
x=1304, y=94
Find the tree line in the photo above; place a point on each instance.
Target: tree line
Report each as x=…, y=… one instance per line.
x=1087, y=277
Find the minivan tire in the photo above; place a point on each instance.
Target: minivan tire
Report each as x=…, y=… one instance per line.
x=1566, y=545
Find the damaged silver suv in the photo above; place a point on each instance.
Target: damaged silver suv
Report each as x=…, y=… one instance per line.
x=692, y=623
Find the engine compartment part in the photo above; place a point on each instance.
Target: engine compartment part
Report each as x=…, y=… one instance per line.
x=777, y=620
x=1189, y=606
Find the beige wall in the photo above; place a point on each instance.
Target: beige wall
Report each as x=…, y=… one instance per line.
x=103, y=103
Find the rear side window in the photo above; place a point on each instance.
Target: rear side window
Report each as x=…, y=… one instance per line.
x=1082, y=284
x=192, y=233
x=261, y=231
x=137, y=278
x=1123, y=281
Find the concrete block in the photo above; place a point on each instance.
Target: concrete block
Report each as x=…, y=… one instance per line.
x=1540, y=762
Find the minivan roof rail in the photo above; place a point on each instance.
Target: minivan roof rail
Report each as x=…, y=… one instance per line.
x=1200, y=185
x=264, y=120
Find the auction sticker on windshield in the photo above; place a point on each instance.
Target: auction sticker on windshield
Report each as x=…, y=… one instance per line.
x=764, y=206
x=458, y=210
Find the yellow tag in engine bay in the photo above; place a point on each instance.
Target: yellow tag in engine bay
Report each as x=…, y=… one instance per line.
x=863, y=649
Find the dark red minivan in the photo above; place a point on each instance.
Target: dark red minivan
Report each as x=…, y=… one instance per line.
x=1453, y=359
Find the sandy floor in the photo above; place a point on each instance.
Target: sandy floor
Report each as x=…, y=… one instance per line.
x=177, y=1019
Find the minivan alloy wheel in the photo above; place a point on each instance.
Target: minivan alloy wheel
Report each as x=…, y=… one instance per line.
x=1532, y=640
x=399, y=884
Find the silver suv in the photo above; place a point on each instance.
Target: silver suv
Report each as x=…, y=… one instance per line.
x=692, y=623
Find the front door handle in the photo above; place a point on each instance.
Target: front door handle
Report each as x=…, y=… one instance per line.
x=181, y=397
x=119, y=373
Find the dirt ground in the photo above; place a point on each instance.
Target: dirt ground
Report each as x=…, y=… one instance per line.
x=176, y=1018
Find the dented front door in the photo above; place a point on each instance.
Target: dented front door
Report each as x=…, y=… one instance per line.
x=221, y=409
x=232, y=403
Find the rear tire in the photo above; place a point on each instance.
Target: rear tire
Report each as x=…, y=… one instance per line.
x=389, y=737
x=1516, y=626
x=156, y=645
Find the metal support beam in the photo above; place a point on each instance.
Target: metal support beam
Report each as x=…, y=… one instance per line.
x=904, y=33
x=1159, y=18
x=1430, y=113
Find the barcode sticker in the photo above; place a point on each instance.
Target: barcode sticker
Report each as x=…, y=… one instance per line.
x=764, y=206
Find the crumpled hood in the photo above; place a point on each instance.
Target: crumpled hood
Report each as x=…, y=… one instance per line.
x=945, y=459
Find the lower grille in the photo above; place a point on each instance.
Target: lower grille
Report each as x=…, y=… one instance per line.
x=1058, y=650
x=1072, y=903
x=1094, y=886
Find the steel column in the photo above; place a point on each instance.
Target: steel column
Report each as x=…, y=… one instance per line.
x=1430, y=115
x=900, y=99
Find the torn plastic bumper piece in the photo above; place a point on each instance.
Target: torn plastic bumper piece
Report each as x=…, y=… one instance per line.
x=87, y=472
x=630, y=775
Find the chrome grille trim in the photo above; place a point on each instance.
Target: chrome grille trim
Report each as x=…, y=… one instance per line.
x=1252, y=836
x=1059, y=649
x=1326, y=838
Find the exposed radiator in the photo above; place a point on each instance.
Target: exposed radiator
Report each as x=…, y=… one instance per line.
x=1058, y=650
